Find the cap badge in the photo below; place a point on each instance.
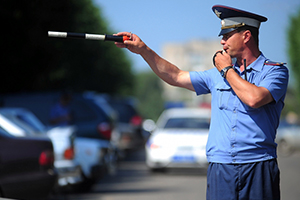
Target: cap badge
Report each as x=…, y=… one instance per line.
x=218, y=13
x=222, y=23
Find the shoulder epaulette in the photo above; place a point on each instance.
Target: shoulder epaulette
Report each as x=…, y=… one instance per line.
x=268, y=62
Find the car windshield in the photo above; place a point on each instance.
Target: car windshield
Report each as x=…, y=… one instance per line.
x=31, y=121
x=188, y=123
x=125, y=112
x=21, y=119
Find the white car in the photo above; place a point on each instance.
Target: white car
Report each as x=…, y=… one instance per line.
x=288, y=139
x=96, y=158
x=179, y=140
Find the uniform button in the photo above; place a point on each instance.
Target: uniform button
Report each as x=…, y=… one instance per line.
x=233, y=160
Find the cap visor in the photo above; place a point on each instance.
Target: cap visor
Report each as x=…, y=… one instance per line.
x=225, y=31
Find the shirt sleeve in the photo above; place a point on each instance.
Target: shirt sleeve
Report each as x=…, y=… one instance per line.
x=202, y=81
x=276, y=81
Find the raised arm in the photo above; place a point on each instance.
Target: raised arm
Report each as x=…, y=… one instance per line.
x=168, y=72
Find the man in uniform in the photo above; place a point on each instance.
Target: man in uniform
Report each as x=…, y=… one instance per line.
x=247, y=100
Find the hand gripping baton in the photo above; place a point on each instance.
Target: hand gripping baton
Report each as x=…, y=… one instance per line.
x=88, y=36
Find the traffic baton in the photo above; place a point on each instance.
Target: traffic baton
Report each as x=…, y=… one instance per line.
x=88, y=36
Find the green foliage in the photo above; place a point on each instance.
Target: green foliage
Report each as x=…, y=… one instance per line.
x=34, y=62
x=149, y=93
x=294, y=62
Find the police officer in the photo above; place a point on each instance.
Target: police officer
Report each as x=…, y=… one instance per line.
x=247, y=100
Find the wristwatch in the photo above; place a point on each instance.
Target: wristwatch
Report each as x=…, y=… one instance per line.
x=223, y=72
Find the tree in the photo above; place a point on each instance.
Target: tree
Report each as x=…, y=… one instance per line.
x=149, y=93
x=34, y=62
x=294, y=52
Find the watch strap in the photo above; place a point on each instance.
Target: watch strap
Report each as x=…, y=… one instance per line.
x=225, y=70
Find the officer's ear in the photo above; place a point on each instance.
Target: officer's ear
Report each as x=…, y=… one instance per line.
x=247, y=36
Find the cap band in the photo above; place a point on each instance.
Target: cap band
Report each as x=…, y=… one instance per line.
x=233, y=26
x=235, y=22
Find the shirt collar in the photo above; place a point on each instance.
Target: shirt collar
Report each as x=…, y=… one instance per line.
x=257, y=64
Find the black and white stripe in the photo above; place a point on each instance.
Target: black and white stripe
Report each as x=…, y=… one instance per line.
x=85, y=36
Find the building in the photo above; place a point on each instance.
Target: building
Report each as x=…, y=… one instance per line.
x=194, y=55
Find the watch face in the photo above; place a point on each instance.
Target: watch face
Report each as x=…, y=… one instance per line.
x=222, y=73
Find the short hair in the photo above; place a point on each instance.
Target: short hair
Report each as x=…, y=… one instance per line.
x=254, y=32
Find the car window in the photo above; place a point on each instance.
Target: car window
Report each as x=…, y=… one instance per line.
x=104, y=107
x=82, y=112
x=188, y=123
x=31, y=121
x=11, y=127
x=25, y=121
x=4, y=133
x=125, y=112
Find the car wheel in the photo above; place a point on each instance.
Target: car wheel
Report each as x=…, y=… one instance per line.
x=284, y=148
x=158, y=170
x=112, y=164
x=85, y=186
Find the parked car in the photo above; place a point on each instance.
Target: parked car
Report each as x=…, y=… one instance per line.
x=128, y=124
x=179, y=140
x=288, y=139
x=22, y=122
x=96, y=160
x=94, y=122
x=26, y=167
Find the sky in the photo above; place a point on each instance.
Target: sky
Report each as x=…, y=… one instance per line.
x=158, y=22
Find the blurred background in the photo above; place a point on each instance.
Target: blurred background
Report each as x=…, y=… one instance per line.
x=33, y=62
x=114, y=88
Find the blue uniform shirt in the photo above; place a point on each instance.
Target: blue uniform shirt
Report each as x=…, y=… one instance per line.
x=239, y=133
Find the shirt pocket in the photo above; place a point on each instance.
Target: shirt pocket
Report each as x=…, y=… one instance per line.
x=224, y=92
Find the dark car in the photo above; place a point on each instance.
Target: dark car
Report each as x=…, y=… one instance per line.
x=21, y=122
x=26, y=167
x=129, y=123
